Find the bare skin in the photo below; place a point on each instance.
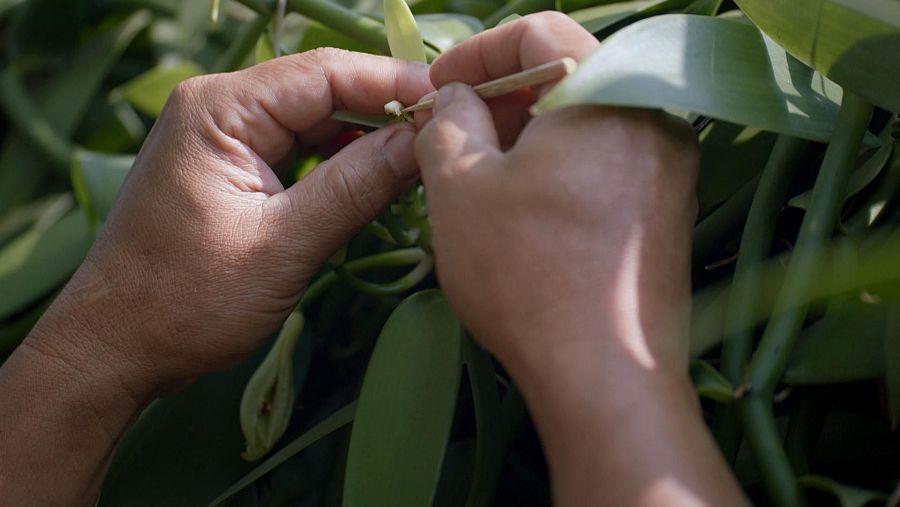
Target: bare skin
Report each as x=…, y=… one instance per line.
x=562, y=242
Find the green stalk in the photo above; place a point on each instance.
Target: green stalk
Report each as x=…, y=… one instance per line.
x=756, y=242
x=392, y=259
x=242, y=45
x=781, y=333
x=29, y=122
x=521, y=7
x=402, y=284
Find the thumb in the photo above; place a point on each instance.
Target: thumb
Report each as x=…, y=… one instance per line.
x=348, y=191
x=461, y=126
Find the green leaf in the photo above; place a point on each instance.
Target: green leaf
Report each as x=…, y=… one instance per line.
x=406, y=406
x=184, y=449
x=848, y=496
x=45, y=210
x=572, y=5
x=96, y=178
x=712, y=66
x=318, y=35
x=855, y=43
x=41, y=260
x=62, y=103
x=845, y=345
x=265, y=51
x=444, y=31
x=321, y=430
x=489, y=449
x=403, y=34
x=709, y=383
x=149, y=92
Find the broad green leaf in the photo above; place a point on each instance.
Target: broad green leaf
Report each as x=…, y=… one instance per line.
x=42, y=259
x=45, y=210
x=712, y=66
x=855, y=43
x=406, y=406
x=709, y=383
x=265, y=51
x=63, y=102
x=488, y=451
x=845, y=345
x=848, y=496
x=326, y=427
x=403, y=34
x=444, y=31
x=184, y=449
x=149, y=92
x=96, y=178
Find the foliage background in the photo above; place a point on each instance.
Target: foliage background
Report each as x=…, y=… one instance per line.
x=83, y=80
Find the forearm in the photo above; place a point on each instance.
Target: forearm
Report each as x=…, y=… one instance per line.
x=63, y=411
x=618, y=434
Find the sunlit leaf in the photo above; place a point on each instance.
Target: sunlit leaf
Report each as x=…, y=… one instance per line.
x=406, y=406
x=444, y=31
x=712, y=66
x=403, y=34
x=855, y=43
x=149, y=92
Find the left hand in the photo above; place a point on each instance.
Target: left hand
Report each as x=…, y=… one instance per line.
x=205, y=252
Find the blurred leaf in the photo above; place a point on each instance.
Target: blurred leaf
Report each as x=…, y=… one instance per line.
x=571, y=5
x=730, y=156
x=520, y=7
x=855, y=43
x=704, y=7
x=265, y=51
x=865, y=174
x=406, y=406
x=489, y=452
x=97, y=178
x=62, y=103
x=12, y=333
x=149, y=92
x=444, y=31
x=892, y=364
x=709, y=383
x=403, y=34
x=47, y=209
x=712, y=66
x=327, y=426
x=845, y=345
x=42, y=259
x=184, y=449
x=848, y=496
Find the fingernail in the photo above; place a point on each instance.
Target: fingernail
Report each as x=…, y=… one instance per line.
x=444, y=96
x=398, y=150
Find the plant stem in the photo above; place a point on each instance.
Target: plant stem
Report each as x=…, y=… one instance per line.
x=398, y=286
x=242, y=45
x=756, y=242
x=392, y=259
x=29, y=122
x=781, y=333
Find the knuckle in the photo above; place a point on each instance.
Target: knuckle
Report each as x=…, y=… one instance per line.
x=189, y=91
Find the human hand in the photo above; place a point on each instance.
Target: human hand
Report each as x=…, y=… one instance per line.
x=584, y=223
x=205, y=252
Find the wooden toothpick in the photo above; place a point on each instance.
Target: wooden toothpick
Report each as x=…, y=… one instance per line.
x=539, y=75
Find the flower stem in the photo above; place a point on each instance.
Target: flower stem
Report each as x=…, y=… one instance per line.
x=790, y=309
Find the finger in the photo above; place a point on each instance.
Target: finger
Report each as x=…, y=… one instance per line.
x=512, y=47
x=460, y=133
x=265, y=106
x=320, y=213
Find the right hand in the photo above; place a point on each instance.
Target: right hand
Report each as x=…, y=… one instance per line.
x=584, y=225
